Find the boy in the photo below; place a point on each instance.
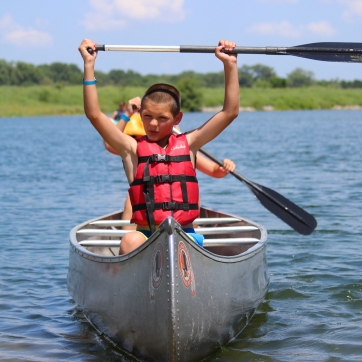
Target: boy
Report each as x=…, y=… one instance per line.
x=132, y=125
x=160, y=167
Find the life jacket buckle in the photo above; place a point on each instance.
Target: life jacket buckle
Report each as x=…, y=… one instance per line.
x=168, y=206
x=160, y=158
x=163, y=178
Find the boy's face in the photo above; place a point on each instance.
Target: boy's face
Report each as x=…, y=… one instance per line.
x=158, y=121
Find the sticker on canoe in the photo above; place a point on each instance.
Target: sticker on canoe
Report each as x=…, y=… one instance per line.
x=185, y=267
x=156, y=269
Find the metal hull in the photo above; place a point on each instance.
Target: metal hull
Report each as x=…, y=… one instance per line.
x=169, y=300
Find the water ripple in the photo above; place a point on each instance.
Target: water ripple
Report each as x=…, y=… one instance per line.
x=54, y=174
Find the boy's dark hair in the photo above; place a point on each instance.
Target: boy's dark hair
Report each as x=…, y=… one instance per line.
x=164, y=93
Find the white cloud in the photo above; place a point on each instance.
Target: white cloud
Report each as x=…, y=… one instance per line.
x=278, y=2
x=102, y=21
x=115, y=14
x=354, y=8
x=288, y=30
x=283, y=28
x=321, y=28
x=6, y=21
x=29, y=37
x=13, y=33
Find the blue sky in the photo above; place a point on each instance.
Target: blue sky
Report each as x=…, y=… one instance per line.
x=43, y=31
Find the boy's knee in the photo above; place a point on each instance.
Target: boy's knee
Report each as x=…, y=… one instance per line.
x=130, y=242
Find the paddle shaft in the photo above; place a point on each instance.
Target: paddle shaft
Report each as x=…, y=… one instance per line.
x=300, y=220
x=250, y=184
x=238, y=50
x=220, y=163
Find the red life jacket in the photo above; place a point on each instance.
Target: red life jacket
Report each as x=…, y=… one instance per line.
x=165, y=183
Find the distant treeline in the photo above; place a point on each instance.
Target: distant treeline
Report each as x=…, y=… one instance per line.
x=259, y=76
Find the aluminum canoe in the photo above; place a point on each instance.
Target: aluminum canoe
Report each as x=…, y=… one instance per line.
x=170, y=300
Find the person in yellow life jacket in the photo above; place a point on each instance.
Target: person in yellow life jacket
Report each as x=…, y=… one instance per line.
x=161, y=164
x=130, y=122
x=134, y=127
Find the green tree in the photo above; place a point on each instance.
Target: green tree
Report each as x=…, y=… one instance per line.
x=129, y=78
x=61, y=72
x=102, y=78
x=117, y=76
x=300, y=78
x=262, y=72
x=25, y=74
x=277, y=82
x=212, y=80
x=258, y=73
x=351, y=84
x=246, y=78
x=151, y=79
x=259, y=83
x=5, y=72
x=191, y=96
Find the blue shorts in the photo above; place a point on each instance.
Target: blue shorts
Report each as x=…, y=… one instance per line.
x=197, y=238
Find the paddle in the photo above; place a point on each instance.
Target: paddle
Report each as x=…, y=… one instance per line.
x=297, y=218
x=328, y=51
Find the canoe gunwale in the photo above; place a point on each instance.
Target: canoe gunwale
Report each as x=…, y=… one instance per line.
x=79, y=249
x=82, y=251
x=257, y=248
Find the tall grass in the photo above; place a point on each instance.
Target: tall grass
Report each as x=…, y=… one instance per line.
x=289, y=98
x=59, y=100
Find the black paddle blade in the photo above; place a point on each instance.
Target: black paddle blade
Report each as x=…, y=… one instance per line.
x=297, y=218
x=329, y=52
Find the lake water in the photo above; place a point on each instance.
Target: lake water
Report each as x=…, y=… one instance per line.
x=55, y=174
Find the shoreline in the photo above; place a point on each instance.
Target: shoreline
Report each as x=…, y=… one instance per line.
x=49, y=100
x=272, y=109
x=206, y=110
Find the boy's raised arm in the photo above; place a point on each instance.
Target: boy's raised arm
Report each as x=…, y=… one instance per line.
x=209, y=130
x=109, y=132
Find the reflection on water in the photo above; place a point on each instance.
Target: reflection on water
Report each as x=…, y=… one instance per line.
x=54, y=174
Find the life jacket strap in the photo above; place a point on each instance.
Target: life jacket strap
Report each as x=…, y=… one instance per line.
x=163, y=179
x=149, y=195
x=167, y=206
x=156, y=157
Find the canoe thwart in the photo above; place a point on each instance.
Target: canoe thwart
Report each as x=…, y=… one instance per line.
x=199, y=221
x=207, y=242
x=229, y=242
